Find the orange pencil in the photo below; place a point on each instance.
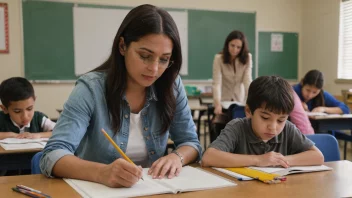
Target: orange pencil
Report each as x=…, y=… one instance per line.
x=117, y=148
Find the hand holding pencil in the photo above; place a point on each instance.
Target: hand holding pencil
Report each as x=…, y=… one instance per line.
x=121, y=172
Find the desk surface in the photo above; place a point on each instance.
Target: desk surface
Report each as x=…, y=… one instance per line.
x=335, y=183
x=331, y=117
x=5, y=152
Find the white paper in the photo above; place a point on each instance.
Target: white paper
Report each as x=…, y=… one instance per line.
x=2, y=29
x=233, y=174
x=227, y=104
x=291, y=170
x=190, y=179
x=37, y=145
x=277, y=42
x=22, y=141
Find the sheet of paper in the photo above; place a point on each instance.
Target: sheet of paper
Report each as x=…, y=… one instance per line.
x=22, y=141
x=22, y=146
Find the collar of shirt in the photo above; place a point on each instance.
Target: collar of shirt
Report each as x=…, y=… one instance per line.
x=253, y=139
x=21, y=129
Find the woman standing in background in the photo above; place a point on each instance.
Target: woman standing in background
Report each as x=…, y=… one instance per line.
x=232, y=73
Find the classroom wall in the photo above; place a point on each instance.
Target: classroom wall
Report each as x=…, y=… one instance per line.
x=272, y=15
x=320, y=44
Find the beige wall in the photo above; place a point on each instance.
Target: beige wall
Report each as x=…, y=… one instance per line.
x=320, y=20
x=272, y=15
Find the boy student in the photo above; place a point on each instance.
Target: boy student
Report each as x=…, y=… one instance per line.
x=265, y=137
x=18, y=118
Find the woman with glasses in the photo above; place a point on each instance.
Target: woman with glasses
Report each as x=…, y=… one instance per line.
x=137, y=96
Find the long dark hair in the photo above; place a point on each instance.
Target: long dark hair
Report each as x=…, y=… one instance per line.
x=243, y=55
x=315, y=78
x=141, y=21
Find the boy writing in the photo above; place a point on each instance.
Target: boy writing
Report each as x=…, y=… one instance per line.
x=18, y=118
x=265, y=137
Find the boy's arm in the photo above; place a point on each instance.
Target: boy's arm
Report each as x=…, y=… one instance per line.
x=217, y=158
x=4, y=135
x=313, y=156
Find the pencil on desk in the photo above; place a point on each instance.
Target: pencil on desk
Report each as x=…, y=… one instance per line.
x=117, y=148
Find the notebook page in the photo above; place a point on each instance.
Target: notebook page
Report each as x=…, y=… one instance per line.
x=293, y=169
x=22, y=141
x=141, y=188
x=194, y=179
x=233, y=174
x=22, y=146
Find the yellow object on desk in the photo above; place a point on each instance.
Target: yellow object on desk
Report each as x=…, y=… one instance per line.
x=255, y=174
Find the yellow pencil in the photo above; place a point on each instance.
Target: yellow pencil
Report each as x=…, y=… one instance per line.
x=117, y=148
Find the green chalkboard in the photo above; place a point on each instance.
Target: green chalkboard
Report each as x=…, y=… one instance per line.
x=49, y=50
x=207, y=31
x=283, y=63
x=48, y=40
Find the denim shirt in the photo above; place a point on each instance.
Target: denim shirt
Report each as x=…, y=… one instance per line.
x=78, y=130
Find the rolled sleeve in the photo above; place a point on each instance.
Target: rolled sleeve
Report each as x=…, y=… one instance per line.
x=183, y=129
x=70, y=128
x=48, y=160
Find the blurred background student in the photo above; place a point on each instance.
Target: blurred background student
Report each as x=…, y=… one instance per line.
x=314, y=98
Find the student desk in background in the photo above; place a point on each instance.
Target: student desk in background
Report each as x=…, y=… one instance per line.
x=16, y=159
x=335, y=183
x=325, y=123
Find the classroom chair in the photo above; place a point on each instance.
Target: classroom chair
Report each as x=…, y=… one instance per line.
x=35, y=169
x=238, y=112
x=328, y=145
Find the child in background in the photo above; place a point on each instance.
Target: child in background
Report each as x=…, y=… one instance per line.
x=314, y=98
x=265, y=137
x=18, y=118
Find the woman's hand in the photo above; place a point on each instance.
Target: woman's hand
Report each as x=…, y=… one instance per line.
x=305, y=106
x=218, y=109
x=120, y=173
x=170, y=164
x=28, y=135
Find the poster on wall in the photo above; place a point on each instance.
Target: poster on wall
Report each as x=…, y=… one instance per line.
x=4, y=28
x=277, y=42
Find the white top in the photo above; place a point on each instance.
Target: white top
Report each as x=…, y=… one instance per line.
x=136, y=147
x=47, y=125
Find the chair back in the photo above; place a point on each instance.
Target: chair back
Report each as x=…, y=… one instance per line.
x=328, y=145
x=238, y=112
x=35, y=168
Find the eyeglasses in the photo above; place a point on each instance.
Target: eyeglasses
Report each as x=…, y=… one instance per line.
x=162, y=63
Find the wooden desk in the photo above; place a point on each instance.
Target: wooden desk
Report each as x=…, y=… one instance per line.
x=16, y=159
x=334, y=123
x=335, y=183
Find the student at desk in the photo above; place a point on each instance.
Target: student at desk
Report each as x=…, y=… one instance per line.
x=265, y=137
x=18, y=118
x=314, y=98
x=137, y=96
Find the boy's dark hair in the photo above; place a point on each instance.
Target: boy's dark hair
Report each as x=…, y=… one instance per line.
x=15, y=89
x=273, y=92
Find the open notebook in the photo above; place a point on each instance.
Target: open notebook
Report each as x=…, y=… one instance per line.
x=190, y=179
x=292, y=170
x=276, y=170
x=21, y=144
